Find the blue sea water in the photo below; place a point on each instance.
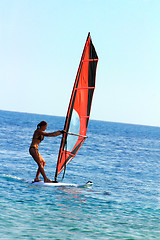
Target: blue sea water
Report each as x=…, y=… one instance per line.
x=121, y=160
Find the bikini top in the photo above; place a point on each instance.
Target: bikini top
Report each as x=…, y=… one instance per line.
x=41, y=137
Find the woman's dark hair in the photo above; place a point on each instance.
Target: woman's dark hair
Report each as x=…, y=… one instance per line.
x=43, y=123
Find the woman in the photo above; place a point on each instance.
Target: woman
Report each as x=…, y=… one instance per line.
x=38, y=136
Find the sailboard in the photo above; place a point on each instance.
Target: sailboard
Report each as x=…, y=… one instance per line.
x=61, y=184
x=78, y=114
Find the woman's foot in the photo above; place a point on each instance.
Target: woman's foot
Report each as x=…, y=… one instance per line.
x=48, y=181
x=37, y=180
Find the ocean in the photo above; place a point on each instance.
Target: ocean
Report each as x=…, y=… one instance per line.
x=122, y=161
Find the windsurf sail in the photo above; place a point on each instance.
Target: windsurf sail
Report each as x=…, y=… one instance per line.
x=78, y=114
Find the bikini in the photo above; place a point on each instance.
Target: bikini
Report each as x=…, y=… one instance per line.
x=40, y=138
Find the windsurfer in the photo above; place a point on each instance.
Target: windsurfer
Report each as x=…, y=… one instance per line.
x=38, y=136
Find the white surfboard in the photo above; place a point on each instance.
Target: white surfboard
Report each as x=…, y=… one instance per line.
x=58, y=184
x=41, y=183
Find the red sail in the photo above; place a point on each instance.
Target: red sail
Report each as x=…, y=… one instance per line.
x=79, y=107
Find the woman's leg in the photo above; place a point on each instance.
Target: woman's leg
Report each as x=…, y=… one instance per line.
x=41, y=163
x=38, y=171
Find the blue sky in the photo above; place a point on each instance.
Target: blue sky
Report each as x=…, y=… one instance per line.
x=41, y=46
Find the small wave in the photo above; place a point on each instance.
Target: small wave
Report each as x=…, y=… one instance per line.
x=12, y=177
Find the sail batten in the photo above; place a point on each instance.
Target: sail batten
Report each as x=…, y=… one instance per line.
x=90, y=60
x=84, y=88
x=78, y=113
